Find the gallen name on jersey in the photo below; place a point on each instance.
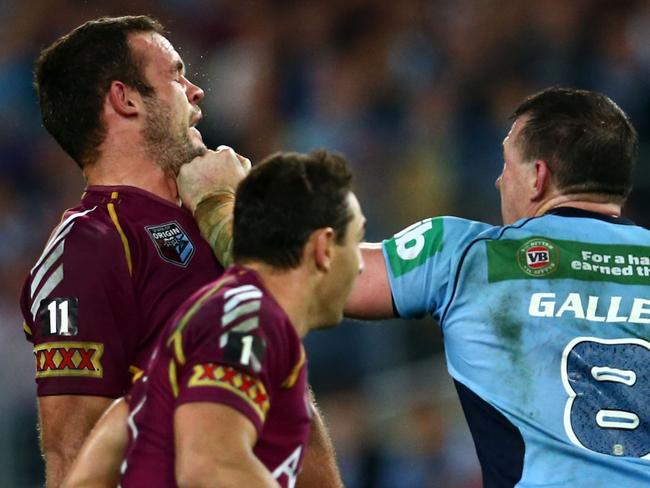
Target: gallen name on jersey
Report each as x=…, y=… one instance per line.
x=613, y=309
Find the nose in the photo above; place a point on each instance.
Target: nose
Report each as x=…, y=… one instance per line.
x=362, y=263
x=194, y=93
x=497, y=183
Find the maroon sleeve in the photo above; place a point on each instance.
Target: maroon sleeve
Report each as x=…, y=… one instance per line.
x=230, y=357
x=79, y=310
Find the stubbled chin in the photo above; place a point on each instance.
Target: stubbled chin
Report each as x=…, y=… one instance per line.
x=197, y=141
x=195, y=133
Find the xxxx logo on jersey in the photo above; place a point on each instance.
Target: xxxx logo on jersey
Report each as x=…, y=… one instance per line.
x=538, y=257
x=248, y=388
x=69, y=359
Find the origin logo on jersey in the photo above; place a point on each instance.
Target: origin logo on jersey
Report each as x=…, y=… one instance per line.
x=538, y=257
x=172, y=243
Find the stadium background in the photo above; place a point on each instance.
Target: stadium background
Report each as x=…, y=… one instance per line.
x=415, y=93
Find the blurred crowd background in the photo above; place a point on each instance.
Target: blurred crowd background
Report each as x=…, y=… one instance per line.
x=415, y=93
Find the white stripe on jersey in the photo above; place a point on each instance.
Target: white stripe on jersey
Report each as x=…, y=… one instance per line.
x=239, y=311
x=60, y=232
x=56, y=254
x=50, y=256
x=51, y=283
x=241, y=297
x=239, y=289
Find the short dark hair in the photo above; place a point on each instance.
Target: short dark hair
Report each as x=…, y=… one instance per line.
x=283, y=200
x=73, y=75
x=588, y=142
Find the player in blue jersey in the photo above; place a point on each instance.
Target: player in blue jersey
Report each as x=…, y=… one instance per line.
x=546, y=320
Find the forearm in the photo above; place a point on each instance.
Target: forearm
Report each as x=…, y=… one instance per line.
x=319, y=469
x=214, y=215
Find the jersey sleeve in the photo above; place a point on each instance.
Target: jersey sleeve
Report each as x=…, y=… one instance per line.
x=228, y=356
x=79, y=311
x=422, y=260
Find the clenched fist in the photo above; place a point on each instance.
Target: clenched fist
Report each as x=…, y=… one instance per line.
x=213, y=173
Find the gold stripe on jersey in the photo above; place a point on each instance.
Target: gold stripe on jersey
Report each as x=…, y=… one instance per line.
x=176, y=338
x=120, y=231
x=248, y=388
x=293, y=377
x=69, y=359
x=173, y=377
x=27, y=329
x=136, y=372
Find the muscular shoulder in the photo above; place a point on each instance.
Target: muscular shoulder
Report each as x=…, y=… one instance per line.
x=75, y=258
x=94, y=231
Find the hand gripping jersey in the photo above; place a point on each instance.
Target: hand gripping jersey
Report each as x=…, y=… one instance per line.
x=546, y=325
x=231, y=343
x=112, y=273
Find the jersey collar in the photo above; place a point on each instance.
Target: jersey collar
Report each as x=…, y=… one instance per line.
x=578, y=212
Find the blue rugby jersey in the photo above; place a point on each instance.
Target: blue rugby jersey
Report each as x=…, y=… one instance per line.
x=546, y=326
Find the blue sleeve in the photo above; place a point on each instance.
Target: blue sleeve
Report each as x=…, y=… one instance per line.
x=422, y=260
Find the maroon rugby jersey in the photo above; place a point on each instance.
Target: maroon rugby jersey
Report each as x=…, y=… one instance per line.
x=231, y=343
x=112, y=273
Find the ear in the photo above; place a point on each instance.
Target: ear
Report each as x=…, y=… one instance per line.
x=126, y=101
x=322, y=244
x=542, y=180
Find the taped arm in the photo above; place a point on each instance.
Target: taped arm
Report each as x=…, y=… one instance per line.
x=214, y=216
x=65, y=422
x=214, y=448
x=371, y=295
x=207, y=188
x=98, y=462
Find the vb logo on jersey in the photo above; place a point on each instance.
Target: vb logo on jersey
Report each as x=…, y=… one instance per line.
x=538, y=257
x=172, y=243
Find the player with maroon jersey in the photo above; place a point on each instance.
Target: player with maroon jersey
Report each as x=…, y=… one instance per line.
x=114, y=95
x=224, y=400
x=231, y=344
x=113, y=272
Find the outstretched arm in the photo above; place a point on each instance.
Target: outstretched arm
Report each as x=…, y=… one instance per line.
x=371, y=297
x=98, y=463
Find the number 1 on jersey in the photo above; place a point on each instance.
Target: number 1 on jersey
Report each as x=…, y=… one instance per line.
x=246, y=350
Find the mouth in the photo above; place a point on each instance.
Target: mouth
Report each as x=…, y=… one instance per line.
x=197, y=115
x=193, y=123
x=195, y=131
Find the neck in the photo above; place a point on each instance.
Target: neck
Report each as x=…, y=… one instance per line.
x=293, y=291
x=592, y=203
x=139, y=173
